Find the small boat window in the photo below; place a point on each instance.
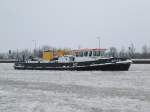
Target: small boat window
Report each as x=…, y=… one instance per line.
x=102, y=53
x=94, y=53
x=90, y=53
x=98, y=53
x=81, y=54
x=72, y=58
x=85, y=53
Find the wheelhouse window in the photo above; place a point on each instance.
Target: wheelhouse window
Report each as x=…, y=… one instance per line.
x=86, y=53
x=102, y=53
x=94, y=53
x=81, y=54
x=90, y=53
x=97, y=53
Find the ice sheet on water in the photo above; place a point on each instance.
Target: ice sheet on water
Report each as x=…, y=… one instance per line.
x=65, y=91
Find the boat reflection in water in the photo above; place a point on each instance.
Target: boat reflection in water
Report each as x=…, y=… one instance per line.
x=81, y=60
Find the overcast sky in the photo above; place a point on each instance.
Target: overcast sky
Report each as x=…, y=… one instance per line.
x=73, y=23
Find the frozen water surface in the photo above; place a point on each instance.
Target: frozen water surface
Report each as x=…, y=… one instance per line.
x=73, y=91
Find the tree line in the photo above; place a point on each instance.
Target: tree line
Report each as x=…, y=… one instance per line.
x=26, y=53
x=129, y=52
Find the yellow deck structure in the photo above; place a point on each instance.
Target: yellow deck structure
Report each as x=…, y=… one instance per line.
x=49, y=55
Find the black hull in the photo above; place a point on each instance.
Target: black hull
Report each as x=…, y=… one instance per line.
x=71, y=67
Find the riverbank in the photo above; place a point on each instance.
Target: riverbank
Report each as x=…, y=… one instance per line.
x=141, y=61
x=7, y=60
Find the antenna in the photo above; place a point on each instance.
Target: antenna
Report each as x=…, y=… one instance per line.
x=99, y=43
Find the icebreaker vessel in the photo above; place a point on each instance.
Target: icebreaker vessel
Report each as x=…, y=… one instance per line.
x=80, y=60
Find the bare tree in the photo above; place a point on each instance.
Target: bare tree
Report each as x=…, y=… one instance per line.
x=145, y=51
x=113, y=52
x=2, y=55
x=131, y=51
x=122, y=52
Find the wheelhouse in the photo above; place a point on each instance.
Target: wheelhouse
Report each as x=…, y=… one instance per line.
x=89, y=52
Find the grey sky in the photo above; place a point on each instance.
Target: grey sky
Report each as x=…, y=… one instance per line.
x=70, y=23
